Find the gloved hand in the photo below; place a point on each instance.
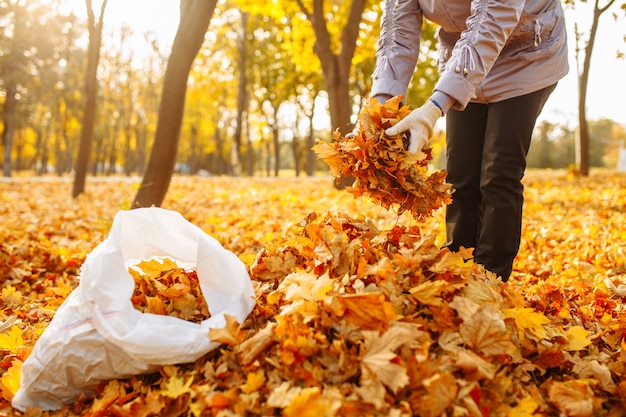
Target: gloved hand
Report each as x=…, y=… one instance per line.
x=419, y=123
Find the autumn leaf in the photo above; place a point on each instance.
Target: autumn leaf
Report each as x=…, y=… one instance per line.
x=483, y=328
x=111, y=392
x=256, y=344
x=12, y=340
x=254, y=382
x=367, y=310
x=596, y=370
x=309, y=402
x=429, y=292
x=150, y=405
x=156, y=266
x=231, y=334
x=474, y=365
x=10, y=380
x=379, y=356
x=577, y=338
x=11, y=296
x=525, y=408
x=573, y=398
x=7, y=324
x=526, y=319
x=441, y=390
x=176, y=386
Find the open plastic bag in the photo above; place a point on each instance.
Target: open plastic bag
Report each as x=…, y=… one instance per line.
x=97, y=334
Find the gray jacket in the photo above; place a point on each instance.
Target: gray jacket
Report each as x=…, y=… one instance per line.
x=490, y=50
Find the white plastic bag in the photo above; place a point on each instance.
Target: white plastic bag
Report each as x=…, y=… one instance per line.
x=97, y=334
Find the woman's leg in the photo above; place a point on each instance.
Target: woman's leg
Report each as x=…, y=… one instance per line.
x=465, y=133
x=509, y=129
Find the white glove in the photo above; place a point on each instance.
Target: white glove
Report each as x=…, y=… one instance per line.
x=419, y=123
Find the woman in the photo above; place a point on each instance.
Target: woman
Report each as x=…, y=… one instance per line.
x=498, y=61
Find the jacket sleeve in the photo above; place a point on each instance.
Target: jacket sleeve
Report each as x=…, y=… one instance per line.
x=489, y=26
x=398, y=47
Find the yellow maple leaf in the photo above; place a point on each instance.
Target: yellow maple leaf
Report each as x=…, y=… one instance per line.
x=12, y=340
x=10, y=380
x=309, y=402
x=527, y=319
x=254, y=381
x=577, y=338
x=525, y=408
x=154, y=267
x=176, y=386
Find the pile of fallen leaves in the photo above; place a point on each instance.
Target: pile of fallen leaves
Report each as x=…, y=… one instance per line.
x=364, y=315
x=162, y=287
x=382, y=168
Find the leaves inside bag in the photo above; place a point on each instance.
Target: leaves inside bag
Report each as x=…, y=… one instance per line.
x=163, y=287
x=383, y=170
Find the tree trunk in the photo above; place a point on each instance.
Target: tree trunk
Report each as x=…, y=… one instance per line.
x=310, y=142
x=195, y=16
x=8, y=116
x=276, y=142
x=91, y=93
x=336, y=67
x=582, y=150
x=242, y=96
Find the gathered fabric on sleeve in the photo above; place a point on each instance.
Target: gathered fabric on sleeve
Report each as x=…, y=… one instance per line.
x=398, y=47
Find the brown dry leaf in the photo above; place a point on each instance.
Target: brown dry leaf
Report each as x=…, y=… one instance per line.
x=230, y=334
x=483, y=328
x=574, y=398
x=441, y=390
x=474, y=366
x=379, y=356
x=256, y=344
x=599, y=372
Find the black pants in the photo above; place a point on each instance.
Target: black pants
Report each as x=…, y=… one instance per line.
x=486, y=153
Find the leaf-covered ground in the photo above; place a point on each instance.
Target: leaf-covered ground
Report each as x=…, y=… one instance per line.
x=358, y=311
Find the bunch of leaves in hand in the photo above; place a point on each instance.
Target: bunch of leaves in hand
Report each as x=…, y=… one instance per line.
x=383, y=170
x=162, y=287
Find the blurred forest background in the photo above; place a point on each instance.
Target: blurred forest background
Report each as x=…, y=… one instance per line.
x=259, y=93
